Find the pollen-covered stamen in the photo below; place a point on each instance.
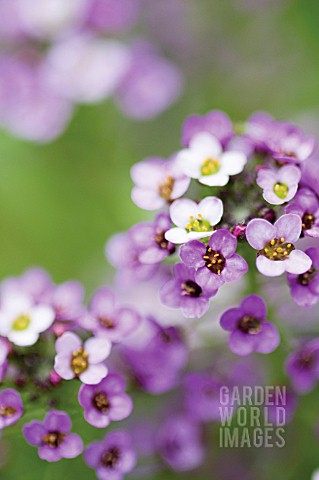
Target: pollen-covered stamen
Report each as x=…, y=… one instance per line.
x=308, y=221
x=101, y=402
x=198, y=224
x=249, y=324
x=214, y=261
x=277, y=249
x=110, y=458
x=106, y=322
x=7, y=411
x=79, y=361
x=192, y=289
x=305, y=278
x=281, y=190
x=53, y=439
x=166, y=188
x=210, y=166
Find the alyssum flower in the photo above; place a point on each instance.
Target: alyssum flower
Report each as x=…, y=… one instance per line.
x=279, y=186
x=11, y=407
x=302, y=366
x=216, y=263
x=304, y=287
x=85, y=361
x=275, y=244
x=194, y=220
x=206, y=161
x=306, y=205
x=250, y=332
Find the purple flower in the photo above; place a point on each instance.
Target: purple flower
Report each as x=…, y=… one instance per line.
x=157, y=363
x=302, y=366
x=304, y=288
x=11, y=407
x=192, y=220
x=151, y=239
x=112, y=15
x=279, y=186
x=157, y=182
x=216, y=263
x=53, y=437
x=123, y=254
x=250, y=332
x=306, y=205
x=186, y=293
x=105, y=402
x=113, y=457
x=216, y=123
x=310, y=173
x=107, y=318
x=179, y=442
x=289, y=144
x=202, y=396
x=147, y=73
x=4, y=350
x=66, y=300
x=275, y=245
x=74, y=359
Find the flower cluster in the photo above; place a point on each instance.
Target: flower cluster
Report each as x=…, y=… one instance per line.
x=57, y=54
x=234, y=208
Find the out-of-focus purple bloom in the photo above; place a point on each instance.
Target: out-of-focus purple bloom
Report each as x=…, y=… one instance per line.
x=151, y=239
x=310, y=173
x=202, y=396
x=53, y=437
x=290, y=145
x=105, y=402
x=78, y=67
x=206, y=161
x=216, y=123
x=186, y=293
x=11, y=407
x=304, y=288
x=192, y=220
x=216, y=263
x=157, y=182
x=123, y=254
x=275, y=245
x=85, y=361
x=259, y=129
x=179, y=442
x=66, y=300
x=4, y=350
x=157, y=362
x=29, y=106
x=250, y=332
x=279, y=186
x=113, y=457
x=112, y=16
x=302, y=366
x=34, y=282
x=150, y=85
x=306, y=205
x=105, y=317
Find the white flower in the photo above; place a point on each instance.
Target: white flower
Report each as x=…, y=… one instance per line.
x=315, y=475
x=206, y=161
x=194, y=220
x=21, y=321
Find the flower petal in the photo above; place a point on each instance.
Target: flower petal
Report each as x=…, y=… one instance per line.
x=270, y=268
x=268, y=339
x=211, y=208
x=98, y=349
x=259, y=232
x=233, y=162
x=192, y=253
x=288, y=226
x=176, y=235
x=181, y=210
x=298, y=262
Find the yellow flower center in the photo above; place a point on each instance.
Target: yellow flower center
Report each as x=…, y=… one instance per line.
x=281, y=190
x=277, y=249
x=79, y=361
x=198, y=224
x=21, y=323
x=210, y=166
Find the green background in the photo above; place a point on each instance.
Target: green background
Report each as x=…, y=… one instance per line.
x=60, y=202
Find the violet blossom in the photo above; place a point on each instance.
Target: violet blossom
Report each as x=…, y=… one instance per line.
x=306, y=205
x=216, y=123
x=11, y=407
x=279, y=186
x=304, y=287
x=302, y=366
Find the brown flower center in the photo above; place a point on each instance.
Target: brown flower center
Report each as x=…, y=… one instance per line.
x=79, y=361
x=54, y=439
x=7, y=411
x=106, y=322
x=101, y=402
x=305, y=278
x=165, y=189
x=192, y=289
x=277, y=249
x=110, y=458
x=248, y=324
x=308, y=221
x=306, y=360
x=214, y=261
